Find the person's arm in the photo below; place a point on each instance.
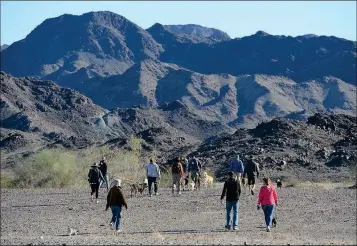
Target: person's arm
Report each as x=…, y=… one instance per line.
x=122, y=197
x=89, y=174
x=181, y=169
x=101, y=175
x=239, y=188
x=189, y=167
x=158, y=171
x=257, y=169
x=275, y=195
x=147, y=170
x=224, y=190
x=241, y=167
x=260, y=197
x=108, y=200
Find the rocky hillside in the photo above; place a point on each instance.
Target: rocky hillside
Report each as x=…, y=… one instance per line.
x=76, y=48
x=200, y=33
x=323, y=148
x=239, y=101
x=4, y=47
x=37, y=114
x=239, y=82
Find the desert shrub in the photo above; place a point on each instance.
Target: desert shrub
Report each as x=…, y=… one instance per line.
x=47, y=168
x=57, y=168
x=6, y=180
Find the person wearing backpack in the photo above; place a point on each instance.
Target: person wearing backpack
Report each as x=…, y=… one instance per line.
x=94, y=178
x=177, y=173
x=194, y=168
x=251, y=170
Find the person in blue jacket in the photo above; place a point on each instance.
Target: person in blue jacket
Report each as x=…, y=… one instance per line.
x=237, y=167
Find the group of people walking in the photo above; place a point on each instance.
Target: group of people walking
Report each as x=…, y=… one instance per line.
x=232, y=189
x=182, y=169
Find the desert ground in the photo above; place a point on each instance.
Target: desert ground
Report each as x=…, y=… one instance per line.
x=305, y=216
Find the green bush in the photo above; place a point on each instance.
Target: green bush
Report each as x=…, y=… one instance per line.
x=57, y=168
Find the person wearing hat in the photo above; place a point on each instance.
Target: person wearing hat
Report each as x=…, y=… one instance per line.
x=232, y=191
x=94, y=178
x=116, y=200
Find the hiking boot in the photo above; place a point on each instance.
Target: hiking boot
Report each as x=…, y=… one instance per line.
x=179, y=193
x=227, y=227
x=156, y=194
x=118, y=231
x=268, y=229
x=235, y=229
x=252, y=192
x=97, y=201
x=150, y=195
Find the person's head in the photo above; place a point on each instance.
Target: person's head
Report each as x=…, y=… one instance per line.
x=95, y=165
x=151, y=161
x=266, y=181
x=230, y=174
x=116, y=182
x=103, y=158
x=177, y=159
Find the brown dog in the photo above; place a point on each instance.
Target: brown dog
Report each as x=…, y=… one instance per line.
x=135, y=188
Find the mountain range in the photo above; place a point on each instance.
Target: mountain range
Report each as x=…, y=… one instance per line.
x=238, y=82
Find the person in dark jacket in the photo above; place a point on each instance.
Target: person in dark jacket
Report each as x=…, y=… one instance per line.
x=94, y=178
x=232, y=191
x=116, y=200
x=103, y=167
x=252, y=171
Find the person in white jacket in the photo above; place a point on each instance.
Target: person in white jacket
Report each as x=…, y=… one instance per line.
x=152, y=174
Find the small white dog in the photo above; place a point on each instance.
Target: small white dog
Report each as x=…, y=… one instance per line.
x=72, y=231
x=207, y=180
x=192, y=185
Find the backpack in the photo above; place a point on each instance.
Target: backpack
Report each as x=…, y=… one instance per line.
x=93, y=175
x=176, y=167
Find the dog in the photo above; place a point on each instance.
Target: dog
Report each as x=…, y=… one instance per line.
x=184, y=183
x=207, y=180
x=273, y=223
x=192, y=185
x=135, y=188
x=71, y=231
x=279, y=184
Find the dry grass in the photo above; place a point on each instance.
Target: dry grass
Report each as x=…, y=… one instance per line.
x=321, y=185
x=58, y=168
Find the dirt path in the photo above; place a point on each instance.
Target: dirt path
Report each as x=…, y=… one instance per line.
x=305, y=216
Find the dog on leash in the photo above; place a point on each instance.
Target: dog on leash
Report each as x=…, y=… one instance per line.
x=71, y=231
x=135, y=188
x=184, y=183
x=279, y=184
x=207, y=180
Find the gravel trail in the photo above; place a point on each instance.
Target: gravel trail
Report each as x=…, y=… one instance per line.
x=305, y=216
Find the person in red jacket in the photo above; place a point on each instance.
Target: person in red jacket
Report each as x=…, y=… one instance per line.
x=268, y=199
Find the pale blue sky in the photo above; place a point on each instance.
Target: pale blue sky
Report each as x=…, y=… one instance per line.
x=237, y=18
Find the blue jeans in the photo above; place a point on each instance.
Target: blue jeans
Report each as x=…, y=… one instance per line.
x=105, y=180
x=229, y=206
x=116, y=211
x=268, y=213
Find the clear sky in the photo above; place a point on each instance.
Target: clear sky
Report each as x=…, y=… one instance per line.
x=237, y=18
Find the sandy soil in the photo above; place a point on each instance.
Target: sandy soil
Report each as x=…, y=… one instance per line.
x=305, y=216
